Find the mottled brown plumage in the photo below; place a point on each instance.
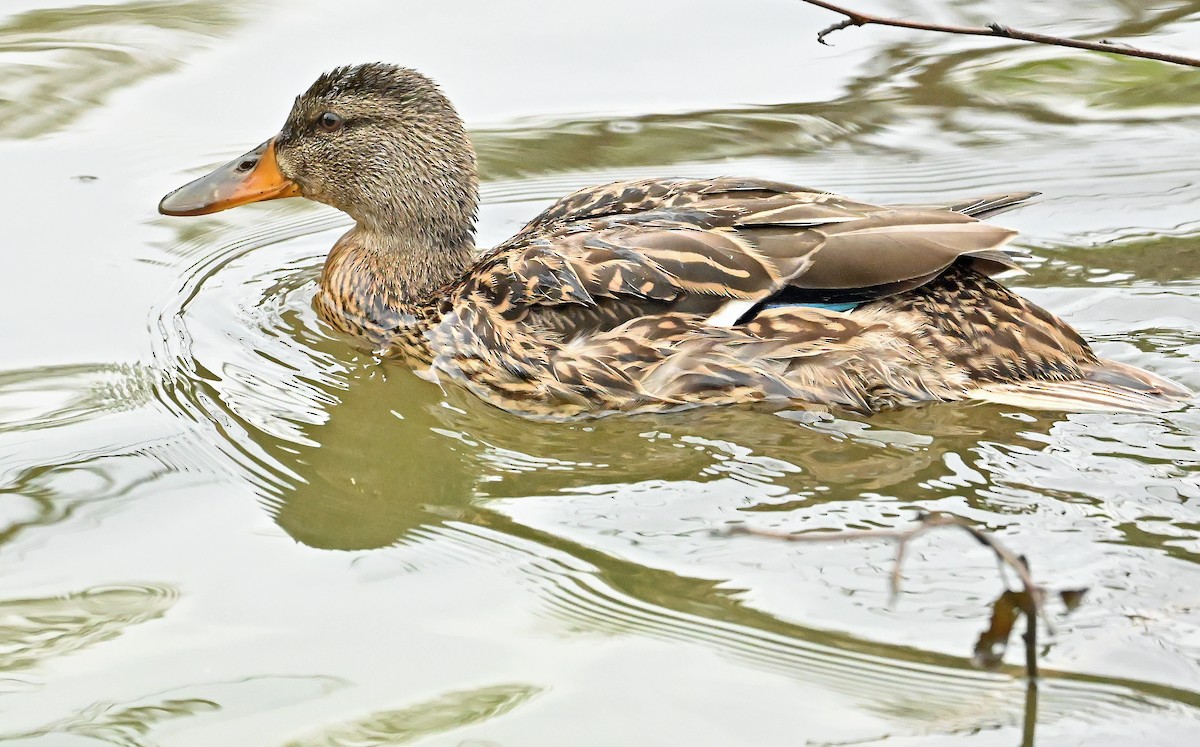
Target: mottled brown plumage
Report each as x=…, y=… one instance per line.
x=658, y=294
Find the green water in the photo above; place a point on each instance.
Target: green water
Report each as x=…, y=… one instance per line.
x=222, y=525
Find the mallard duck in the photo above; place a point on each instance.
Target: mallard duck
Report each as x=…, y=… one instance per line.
x=657, y=294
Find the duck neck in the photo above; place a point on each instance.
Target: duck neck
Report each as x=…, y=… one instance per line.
x=376, y=279
x=410, y=266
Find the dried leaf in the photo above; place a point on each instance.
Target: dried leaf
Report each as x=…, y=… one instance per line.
x=993, y=642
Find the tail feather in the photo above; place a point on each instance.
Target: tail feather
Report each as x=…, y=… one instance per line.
x=989, y=205
x=984, y=206
x=1105, y=387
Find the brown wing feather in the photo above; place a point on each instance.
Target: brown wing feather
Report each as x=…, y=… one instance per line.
x=694, y=245
x=895, y=245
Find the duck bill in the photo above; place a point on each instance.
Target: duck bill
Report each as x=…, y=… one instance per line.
x=253, y=177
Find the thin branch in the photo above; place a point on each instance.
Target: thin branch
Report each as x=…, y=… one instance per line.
x=1029, y=721
x=855, y=18
x=1028, y=601
x=902, y=537
x=1030, y=636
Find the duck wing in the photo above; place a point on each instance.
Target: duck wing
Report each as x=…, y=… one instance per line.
x=721, y=249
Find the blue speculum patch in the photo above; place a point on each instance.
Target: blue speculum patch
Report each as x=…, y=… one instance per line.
x=829, y=306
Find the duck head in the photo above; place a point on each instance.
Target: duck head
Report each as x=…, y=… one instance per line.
x=379, y=142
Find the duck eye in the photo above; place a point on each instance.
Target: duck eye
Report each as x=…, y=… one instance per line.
x=330, y=122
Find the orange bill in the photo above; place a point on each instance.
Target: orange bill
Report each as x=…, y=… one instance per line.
x=253, y=177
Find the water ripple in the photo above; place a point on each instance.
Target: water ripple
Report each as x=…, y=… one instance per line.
x=919, y=693
x=35, y=630
x=62, y=63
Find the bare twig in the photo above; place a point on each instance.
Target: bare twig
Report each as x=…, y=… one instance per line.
x=855, y=18
x=902, y=537
x=1029, y=721
x=1027, y=601
x=1030, y=637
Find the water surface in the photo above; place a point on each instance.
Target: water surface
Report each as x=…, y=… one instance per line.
x=222, y=524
